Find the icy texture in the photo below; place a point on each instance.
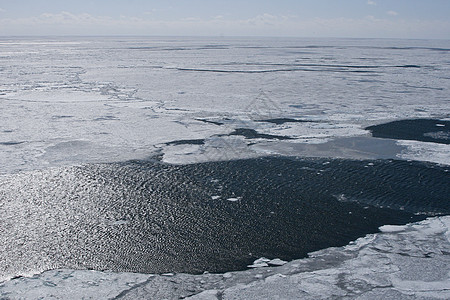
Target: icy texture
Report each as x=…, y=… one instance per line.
x=77, y=100
x=432, y=152
x=72, y=284
x=401, y=262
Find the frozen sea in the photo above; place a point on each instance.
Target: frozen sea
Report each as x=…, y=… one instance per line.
x=224, y=168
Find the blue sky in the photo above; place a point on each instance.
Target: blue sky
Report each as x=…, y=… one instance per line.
x=321, y=18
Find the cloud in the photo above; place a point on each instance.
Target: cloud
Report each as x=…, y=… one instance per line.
x=370, y=2
x=66, y=23
x=392, y=13
x=264, y=20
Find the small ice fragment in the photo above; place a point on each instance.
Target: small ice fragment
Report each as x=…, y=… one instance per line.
x=227, y=275
x=370, y=164
x=260, y=263
x=215, y=197
x=167, y=274
x=392, y=228
x=277, y=262
x=234, y=199
x=260, y=260
x=341, y=198
x=440, y=125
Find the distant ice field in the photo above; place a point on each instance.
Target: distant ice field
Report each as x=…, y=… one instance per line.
x=70, y=101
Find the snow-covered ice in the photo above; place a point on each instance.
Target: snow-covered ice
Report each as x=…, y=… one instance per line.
x=79, y=100
x=432, y=152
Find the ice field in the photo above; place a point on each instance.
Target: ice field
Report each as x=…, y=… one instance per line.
x=74, y=100
x=204, y=128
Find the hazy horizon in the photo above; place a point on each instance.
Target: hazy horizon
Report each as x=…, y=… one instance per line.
x=412, y=19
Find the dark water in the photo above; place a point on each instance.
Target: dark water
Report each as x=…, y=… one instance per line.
x=425, y=130
x=151, y=217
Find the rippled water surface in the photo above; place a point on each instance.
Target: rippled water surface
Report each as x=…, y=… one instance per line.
x=152, y=217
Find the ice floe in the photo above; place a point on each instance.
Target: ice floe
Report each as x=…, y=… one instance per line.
x=234, y=199
x=425, y=151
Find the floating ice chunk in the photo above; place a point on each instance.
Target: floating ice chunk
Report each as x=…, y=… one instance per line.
x=277, y=262
x=168, y=274
x=392, y=228
x=341, y=198
x=227, y=275
x=440, y=125
x=260, y=260
x=260, y=263
x=234, y=199
x=215, y=197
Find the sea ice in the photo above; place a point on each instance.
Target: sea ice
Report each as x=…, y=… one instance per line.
x=260, y=263
x=392, y=228
x=65, y=102
x=234, y=199
x=425, y=151
x=54, y=92
x=276, y=262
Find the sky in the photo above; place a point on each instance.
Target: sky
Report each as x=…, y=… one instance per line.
x=296, y=18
